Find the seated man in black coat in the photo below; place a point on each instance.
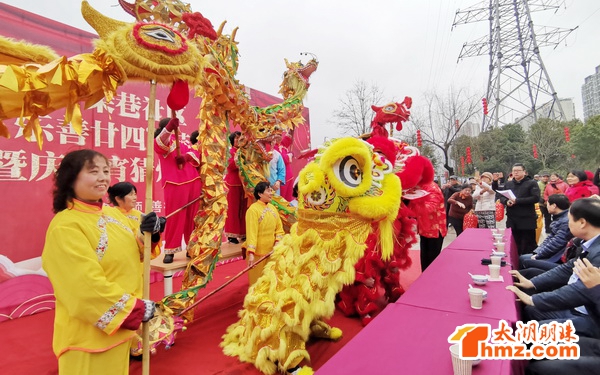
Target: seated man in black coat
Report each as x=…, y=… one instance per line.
x=548, y=254
x=589, y=355
x=559, y=294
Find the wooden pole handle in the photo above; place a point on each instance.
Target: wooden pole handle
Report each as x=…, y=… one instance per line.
x=147, y=236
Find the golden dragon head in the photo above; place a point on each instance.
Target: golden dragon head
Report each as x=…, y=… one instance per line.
x=349, y=180
x=153, y=48
x=282, y=118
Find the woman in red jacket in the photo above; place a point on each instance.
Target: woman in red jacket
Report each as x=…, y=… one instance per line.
x=555, y=186
x=578, y=188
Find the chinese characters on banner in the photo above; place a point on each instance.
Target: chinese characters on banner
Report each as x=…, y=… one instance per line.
x=116, y=129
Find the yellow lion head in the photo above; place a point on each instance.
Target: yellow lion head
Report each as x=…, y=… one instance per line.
x=347, y=177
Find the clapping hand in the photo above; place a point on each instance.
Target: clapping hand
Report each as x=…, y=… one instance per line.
x=587, y=273
x=522, y=282
x=522, y=296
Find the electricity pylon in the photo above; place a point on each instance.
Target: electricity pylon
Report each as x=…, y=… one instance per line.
x=518, y=85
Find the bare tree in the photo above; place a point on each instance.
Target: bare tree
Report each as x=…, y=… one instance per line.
x=441, y=119
x=355, y=114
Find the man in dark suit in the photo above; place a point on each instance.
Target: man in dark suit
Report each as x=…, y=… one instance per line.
x=589, y=354
x=520, y=211
x=559, y=294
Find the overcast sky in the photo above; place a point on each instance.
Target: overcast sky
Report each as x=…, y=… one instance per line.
x=406, y=48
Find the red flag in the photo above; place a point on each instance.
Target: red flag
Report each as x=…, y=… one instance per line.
x=535, y=152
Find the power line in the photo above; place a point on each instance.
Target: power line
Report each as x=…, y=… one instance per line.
x=519, y=89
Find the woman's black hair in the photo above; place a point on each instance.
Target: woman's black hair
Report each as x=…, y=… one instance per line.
x=194, y=137
x=260, y=188
x=579, y=174
x=67, y=173
x=120, y=189
x=161, y=125
x=233, y=136
x=588, y=209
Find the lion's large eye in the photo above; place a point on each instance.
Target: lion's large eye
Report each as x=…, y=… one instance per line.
x=390, y=108
x=161, y=34
x=348, y=171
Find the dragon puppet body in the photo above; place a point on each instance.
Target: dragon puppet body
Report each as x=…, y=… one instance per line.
x=377, y=281
x=168, y=44
x=346, y=194
x=255, y=151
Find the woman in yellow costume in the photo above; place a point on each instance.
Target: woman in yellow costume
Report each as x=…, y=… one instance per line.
x=123, y=196
x=263, y=229
x=346, y=193
x=92, y=257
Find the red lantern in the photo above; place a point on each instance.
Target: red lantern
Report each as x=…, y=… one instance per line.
x=499, y=210
x=567, y=134
x=485, y=106
x=419, y=139
x=535, y=152
x=470, y=220
x=462, y=165
x=457, y=125
x=469, y=160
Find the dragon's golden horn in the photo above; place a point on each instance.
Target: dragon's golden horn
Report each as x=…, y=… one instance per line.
x=102, y=24
x=233, y=34
x=221, y=28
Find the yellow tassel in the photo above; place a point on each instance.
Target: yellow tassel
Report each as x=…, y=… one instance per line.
x=386, y=236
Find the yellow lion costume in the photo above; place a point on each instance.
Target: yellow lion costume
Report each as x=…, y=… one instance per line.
x=344, y=194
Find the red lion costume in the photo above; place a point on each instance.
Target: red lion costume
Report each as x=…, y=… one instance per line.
x=378, y=283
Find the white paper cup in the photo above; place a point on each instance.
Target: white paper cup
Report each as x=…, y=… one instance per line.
x=476, y=298
x=499, y=246
x=494, y=271
x=460, y=366
x=496, y=259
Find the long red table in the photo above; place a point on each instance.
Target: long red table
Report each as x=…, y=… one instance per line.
x=445, y=283
x=407, y=339
x=411, y=335
x=481, y=240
